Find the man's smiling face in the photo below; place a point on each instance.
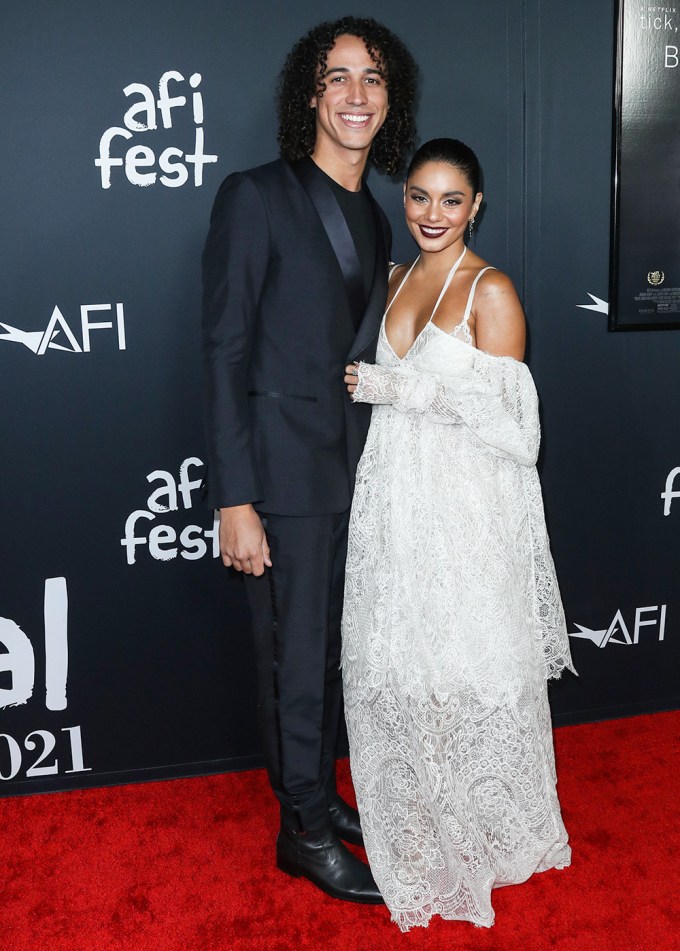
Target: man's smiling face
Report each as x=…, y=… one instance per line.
x=354, y=103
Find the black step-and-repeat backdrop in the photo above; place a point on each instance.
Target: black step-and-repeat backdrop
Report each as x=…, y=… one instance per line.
x=124, y=645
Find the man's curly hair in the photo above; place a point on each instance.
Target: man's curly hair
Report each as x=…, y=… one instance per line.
x=299, y=83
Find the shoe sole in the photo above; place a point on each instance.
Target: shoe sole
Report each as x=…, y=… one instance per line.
x=290, y=868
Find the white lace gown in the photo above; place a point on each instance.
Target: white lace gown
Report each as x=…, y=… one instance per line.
x=452, y=625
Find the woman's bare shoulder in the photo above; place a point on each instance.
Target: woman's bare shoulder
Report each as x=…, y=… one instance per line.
x=494, y=283
x=398, y=270
x=500, y=326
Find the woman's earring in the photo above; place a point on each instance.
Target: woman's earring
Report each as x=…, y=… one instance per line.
x=470, y=226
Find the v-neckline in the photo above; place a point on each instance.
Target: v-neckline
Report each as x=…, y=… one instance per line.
x=447, y=282
x=450, y=334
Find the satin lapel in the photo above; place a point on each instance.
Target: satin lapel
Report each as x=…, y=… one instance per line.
x=337, y=231
x=370, y=325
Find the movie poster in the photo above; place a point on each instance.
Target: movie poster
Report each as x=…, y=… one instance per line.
x=645, y=292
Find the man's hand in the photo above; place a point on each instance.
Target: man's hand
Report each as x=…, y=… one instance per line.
x=243, y=543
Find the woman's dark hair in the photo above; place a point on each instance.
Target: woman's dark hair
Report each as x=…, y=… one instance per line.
x=300, y=83
x=454, y=153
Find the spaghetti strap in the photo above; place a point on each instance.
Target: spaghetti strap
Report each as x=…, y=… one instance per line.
x=468, y=307
x=448, y=280
x=403, y=281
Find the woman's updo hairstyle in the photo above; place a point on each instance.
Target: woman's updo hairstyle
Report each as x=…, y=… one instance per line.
x=454, y=153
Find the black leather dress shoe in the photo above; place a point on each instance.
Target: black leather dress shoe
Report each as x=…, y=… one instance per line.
x=323, y=859
x=345, y=821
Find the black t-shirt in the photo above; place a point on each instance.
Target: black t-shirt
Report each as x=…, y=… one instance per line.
x=358, y=212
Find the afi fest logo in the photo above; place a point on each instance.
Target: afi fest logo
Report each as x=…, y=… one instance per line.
x=618, y=632
x=671, y=492
x=165, y=541
x=58, y=335
x=147, y=114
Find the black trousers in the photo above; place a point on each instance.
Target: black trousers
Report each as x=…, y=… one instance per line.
x=296, y=611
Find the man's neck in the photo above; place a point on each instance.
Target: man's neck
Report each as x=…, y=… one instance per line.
x=346, y=168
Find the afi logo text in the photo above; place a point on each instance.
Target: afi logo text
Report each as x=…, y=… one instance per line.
x=652, y=617
x=166, y=541
x=144, y=115
x=58, y=334
x=19, y=658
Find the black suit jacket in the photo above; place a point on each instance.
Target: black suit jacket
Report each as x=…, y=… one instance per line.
x=282, y=432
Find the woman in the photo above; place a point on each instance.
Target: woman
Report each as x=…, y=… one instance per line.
x=453, y=620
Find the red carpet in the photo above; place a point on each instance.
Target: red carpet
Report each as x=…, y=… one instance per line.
x=184, y=865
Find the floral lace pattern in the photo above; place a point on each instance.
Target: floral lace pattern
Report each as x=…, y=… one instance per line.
x=452, y=625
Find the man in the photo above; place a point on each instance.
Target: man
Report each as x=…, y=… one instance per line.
x=295, y=283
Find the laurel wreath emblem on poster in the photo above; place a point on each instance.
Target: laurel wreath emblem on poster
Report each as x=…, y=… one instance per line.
x=655, y=278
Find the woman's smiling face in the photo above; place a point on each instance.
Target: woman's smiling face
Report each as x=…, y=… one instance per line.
x=439, y=202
